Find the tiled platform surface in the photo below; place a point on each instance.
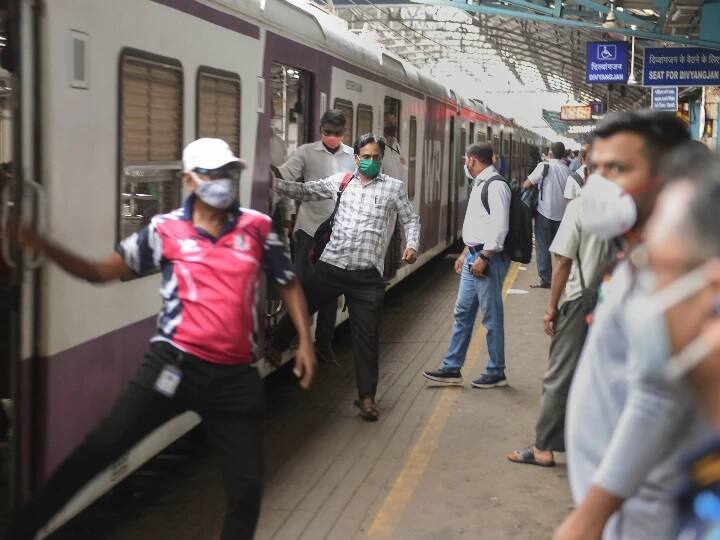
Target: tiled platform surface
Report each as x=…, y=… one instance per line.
x=433, y=467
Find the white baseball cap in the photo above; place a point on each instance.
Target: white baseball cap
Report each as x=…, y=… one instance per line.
x=207, y=153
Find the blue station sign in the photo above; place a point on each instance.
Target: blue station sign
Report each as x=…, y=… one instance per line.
x=665, y=98
x=607, y=62
x=681, y=66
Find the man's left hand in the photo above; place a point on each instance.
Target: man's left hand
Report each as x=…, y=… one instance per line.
x=410, y=256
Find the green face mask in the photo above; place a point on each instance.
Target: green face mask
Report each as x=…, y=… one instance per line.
x=369, y=167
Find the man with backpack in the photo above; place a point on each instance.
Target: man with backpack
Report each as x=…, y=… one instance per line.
x=482, y=266
x=549, y=180
x=579, y=258
x=576, y=180
x=309, y=162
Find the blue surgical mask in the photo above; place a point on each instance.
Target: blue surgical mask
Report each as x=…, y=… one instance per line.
x=648, y=334
x=220, y=193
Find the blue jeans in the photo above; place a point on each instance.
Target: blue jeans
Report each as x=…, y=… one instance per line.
x=545, y=231
x=484, y=293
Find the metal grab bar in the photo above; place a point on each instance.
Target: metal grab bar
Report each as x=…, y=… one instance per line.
x=42, y=208
x=5, y=225
x=279, y=305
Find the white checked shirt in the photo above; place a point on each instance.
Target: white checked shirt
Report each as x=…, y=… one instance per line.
x=360, y=229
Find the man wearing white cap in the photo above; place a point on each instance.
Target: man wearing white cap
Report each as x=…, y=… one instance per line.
x=210, y=253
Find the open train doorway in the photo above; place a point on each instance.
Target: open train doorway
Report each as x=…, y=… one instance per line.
x=22, y=200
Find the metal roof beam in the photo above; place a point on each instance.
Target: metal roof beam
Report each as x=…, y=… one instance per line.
x=504, y=12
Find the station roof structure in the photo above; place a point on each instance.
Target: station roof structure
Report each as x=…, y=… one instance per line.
x=542, y=43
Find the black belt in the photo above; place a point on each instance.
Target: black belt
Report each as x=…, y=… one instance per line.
x=475, y=249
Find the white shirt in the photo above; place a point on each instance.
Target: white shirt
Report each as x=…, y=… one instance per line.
x=311, y=162
x=572, y=188
x=571, y=240
x=551, y=202
x=480, y=227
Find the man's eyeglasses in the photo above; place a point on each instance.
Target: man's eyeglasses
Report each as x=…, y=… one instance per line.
x=332, y=132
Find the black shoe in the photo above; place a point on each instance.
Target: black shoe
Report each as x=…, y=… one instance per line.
x=490, y=380
x=444, y=376
x=326, y=355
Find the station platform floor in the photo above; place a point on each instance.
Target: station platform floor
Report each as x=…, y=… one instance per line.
x=432, y=467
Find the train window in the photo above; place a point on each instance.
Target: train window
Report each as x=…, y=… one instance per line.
x=391, y=118
x=472, y=133
x=481, y=137
x=290, y=111
x=412, y=156
x=364, y=120
x=151, y=120
x=346, y=107
x=218, y=106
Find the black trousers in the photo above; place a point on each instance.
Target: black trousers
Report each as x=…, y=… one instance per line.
x=327, y=313
x=230, y=400
x=364, y=292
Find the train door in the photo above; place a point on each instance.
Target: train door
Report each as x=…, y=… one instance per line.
x=511, y=160
x=460, y=172
x=21, y=201
x=393, y=165
x=291, y=109
x=290, y=121
x=451, y=180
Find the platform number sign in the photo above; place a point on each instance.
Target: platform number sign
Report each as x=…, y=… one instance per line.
x=607, y=62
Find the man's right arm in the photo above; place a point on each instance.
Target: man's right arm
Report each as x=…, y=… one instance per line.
x=316, y=190
x=533, y=178
x=110, y=269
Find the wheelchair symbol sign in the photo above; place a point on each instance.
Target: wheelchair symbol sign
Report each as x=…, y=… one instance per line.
x=607, y=52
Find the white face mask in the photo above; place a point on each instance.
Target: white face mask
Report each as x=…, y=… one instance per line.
x=648, y=333
x=605, y=209
x=468, y=174
x=220, y=193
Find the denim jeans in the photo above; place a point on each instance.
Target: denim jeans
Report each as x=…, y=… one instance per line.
x=484, y=293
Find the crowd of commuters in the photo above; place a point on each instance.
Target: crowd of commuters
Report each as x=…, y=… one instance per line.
x=634, y=335
x=627, y=245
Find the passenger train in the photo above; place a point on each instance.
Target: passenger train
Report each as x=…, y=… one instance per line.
x=96, y=103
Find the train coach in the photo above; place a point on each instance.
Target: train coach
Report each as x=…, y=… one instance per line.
x=97, y=100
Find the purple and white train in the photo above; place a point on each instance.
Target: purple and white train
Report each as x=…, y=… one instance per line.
x=98, y=101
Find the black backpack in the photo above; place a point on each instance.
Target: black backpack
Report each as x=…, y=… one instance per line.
x=532, y=196
x=578, y=178
x=518, y=242
x=324, y=231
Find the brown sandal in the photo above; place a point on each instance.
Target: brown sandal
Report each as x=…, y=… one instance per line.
x=367, y=409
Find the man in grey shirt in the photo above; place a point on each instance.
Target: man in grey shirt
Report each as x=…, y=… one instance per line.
x=621, y=429
x=551, y=206
x=311, y=162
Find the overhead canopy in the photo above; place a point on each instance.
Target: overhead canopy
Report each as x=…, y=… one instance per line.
x=541, y=45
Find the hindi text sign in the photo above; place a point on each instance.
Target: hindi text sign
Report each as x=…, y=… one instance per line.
x=681, y=66
x=607, y=62
x=665, y=98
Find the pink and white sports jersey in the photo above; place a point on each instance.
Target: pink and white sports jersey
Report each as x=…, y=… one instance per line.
x=209, y=285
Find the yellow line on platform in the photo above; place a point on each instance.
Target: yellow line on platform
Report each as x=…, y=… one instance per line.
x=402, y=490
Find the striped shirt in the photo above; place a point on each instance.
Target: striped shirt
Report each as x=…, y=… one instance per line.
x=362, y=220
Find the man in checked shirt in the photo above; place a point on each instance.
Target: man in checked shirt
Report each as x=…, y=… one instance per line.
x=353, y=260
